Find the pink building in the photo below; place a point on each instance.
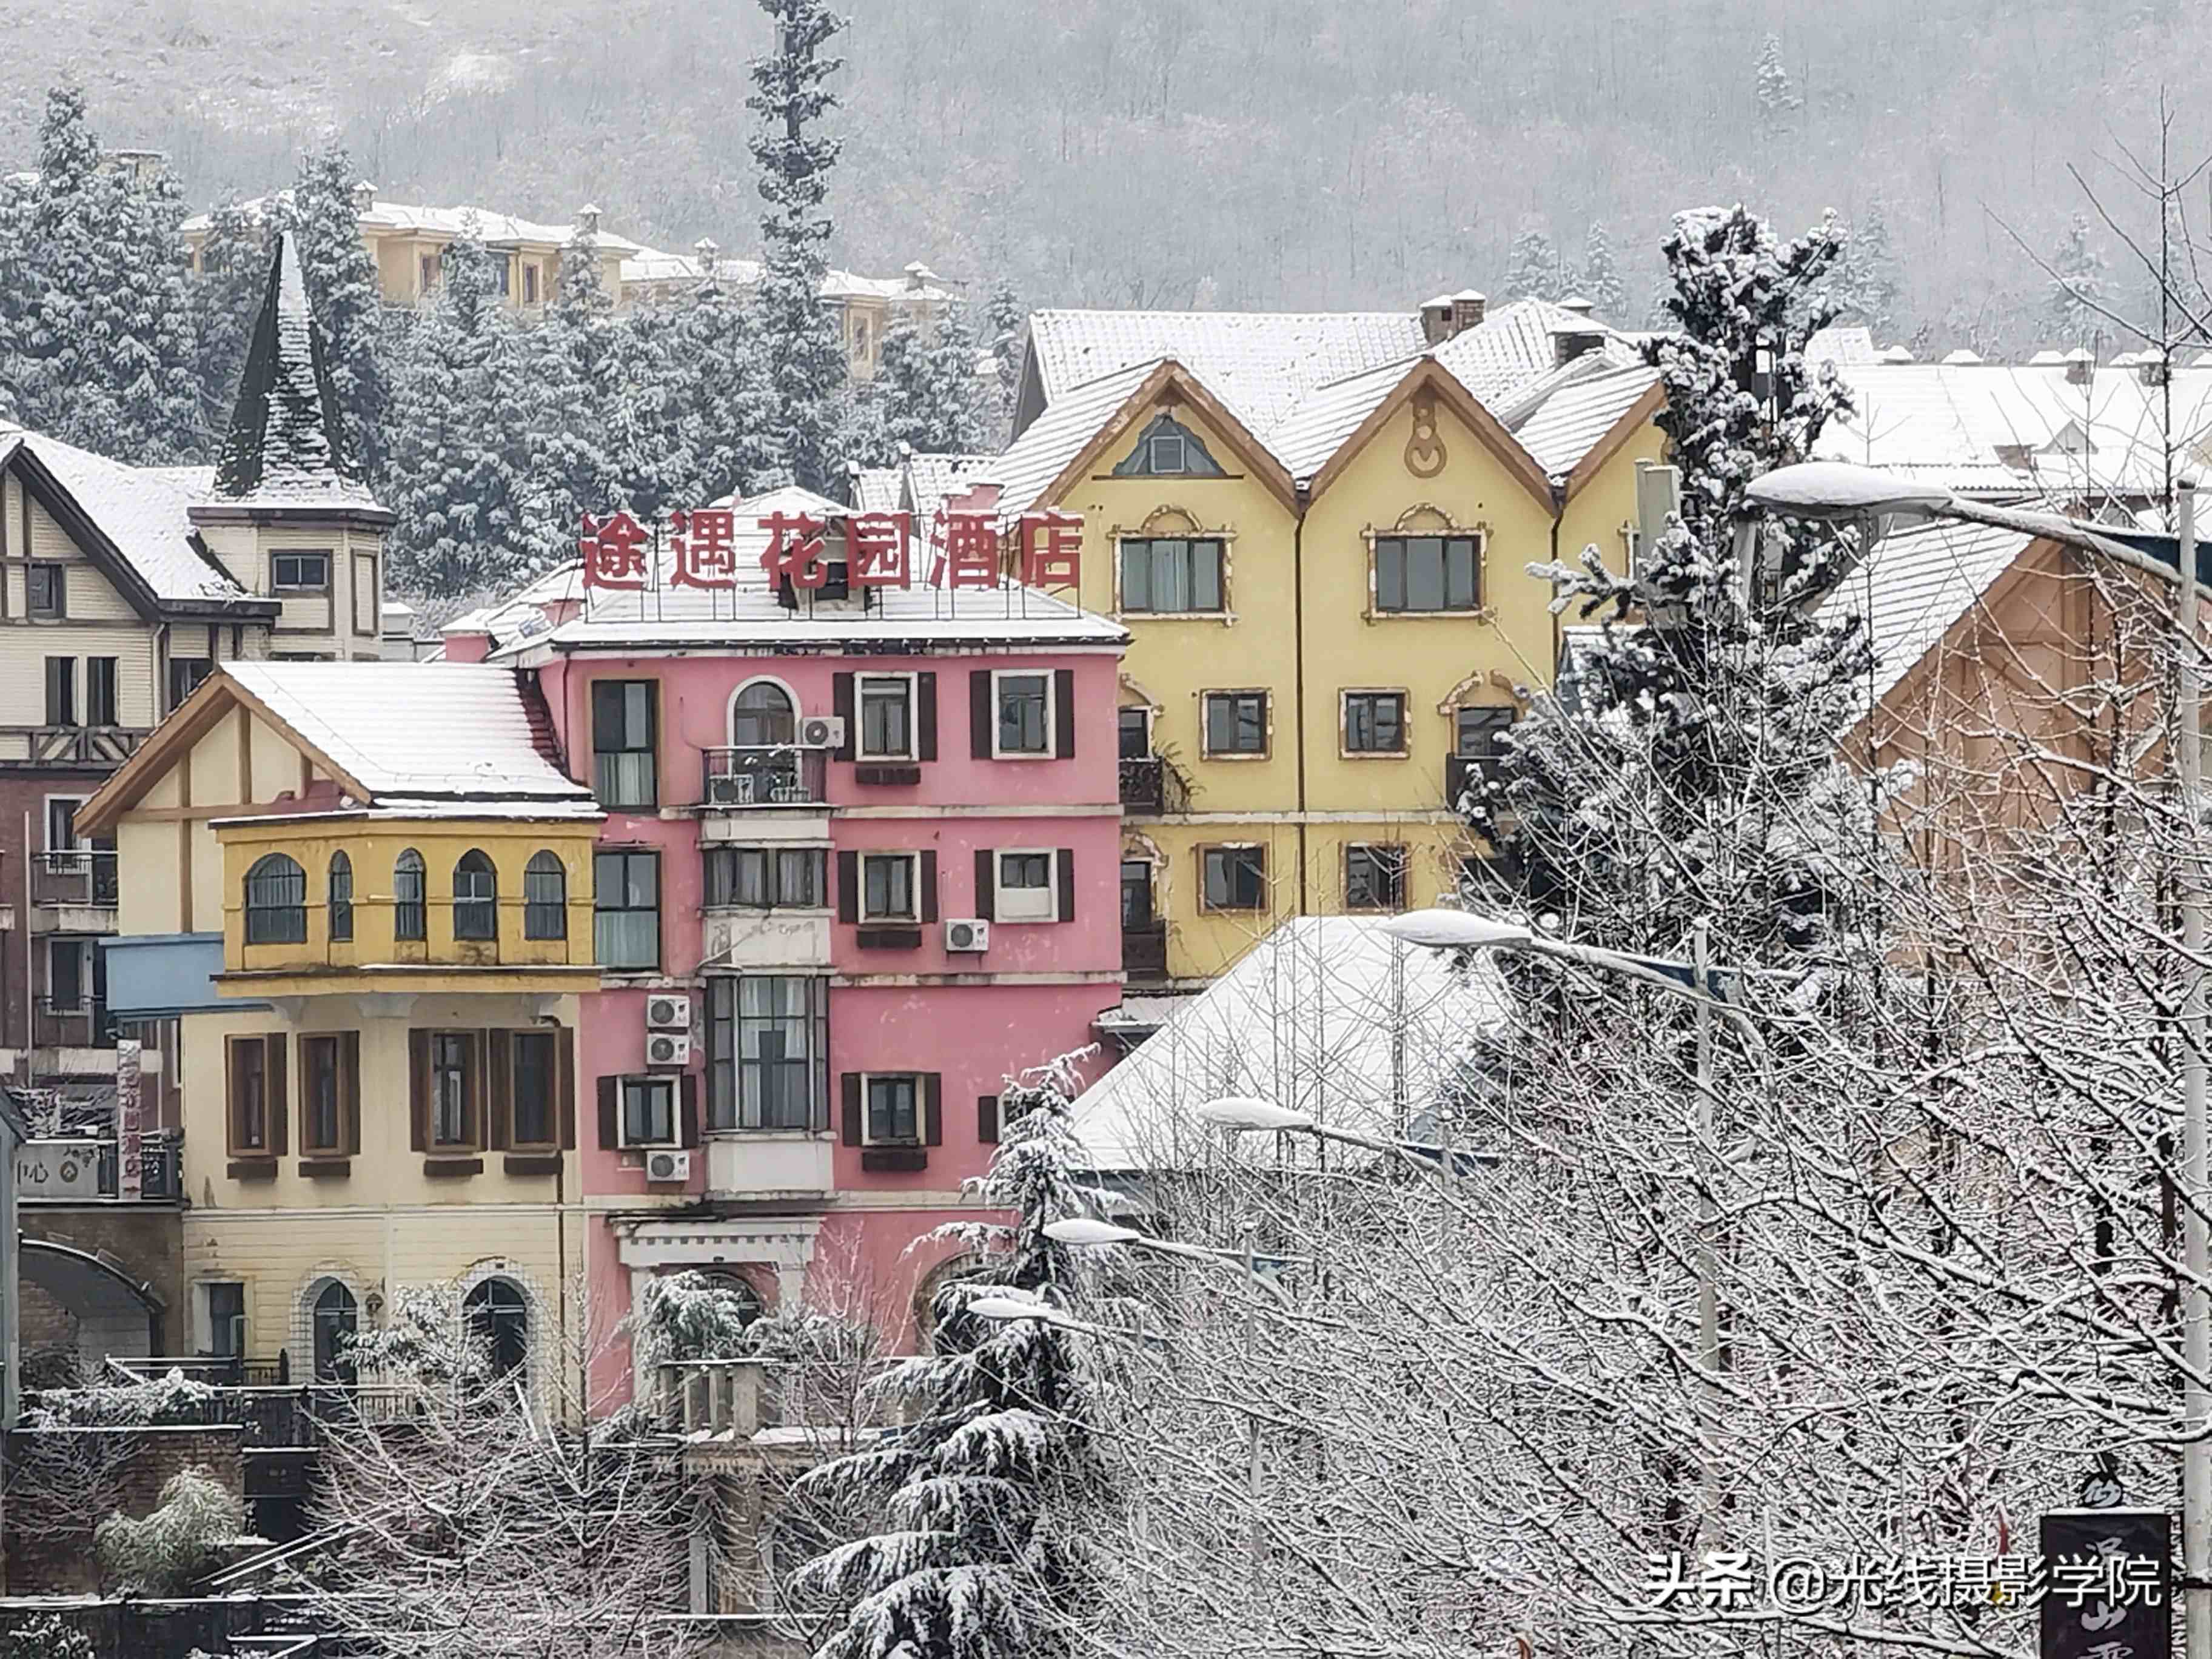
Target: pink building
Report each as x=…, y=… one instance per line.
x=860, y=863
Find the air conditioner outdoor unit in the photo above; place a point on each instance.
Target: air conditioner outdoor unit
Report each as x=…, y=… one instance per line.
x=664, y=1013
x=668, y=1048
x=730, y=789
x=968, y=935
x=822, y=731
x=668, y=1166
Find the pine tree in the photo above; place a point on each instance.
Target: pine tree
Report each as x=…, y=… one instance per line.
x=565, y=405
x=226, y=297
x=805, y=362
x=933, y=397
x=1777, y=98
x=322, y=214
x=1007, y=321
x=1865, y=287
x=978, y=1558
x=1600, y=278
x=722, y=395
x=2079, y=285
x=1532, y=268
x=458, y=463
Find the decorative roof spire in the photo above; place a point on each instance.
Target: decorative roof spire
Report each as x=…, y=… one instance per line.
x=286, y=441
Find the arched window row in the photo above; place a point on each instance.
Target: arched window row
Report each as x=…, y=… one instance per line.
x=277, y=898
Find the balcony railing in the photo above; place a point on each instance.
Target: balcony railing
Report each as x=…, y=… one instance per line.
x=1150, y=783
x=1144, y=951
x=773, y=775
x=83, y=1023
x=75, y=875
x=738, y=1398
x=68, y=745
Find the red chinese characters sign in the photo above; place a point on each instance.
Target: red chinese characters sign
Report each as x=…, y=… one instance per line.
x=963, y=550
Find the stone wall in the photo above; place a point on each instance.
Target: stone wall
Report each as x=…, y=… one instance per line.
x=144, y=1242
x=63, y=1483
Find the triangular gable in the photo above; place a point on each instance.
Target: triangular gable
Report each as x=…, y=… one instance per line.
x=1637, y=416
x=1172, y=383
x=1427, y=374
x=216, y=697
x=81, y=528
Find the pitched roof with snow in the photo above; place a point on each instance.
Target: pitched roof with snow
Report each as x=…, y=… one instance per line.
x=1326, y=1015
x=1514, y=345
x=1919, y=582
x=1573, y=416
x=878, y=489
x=493, y=229
x=1056, y=437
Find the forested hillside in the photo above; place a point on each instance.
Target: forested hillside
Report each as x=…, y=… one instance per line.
x=1145, y=152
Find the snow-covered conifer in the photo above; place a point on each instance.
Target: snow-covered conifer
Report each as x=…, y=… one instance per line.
x=227, y=294
x=1533, y=270
x=1777, y=96
x=932, y=396
x=1006, y=321
x=2079, y=285
x=1600, y=277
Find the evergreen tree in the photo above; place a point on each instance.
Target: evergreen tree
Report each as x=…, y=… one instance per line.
x=932, y=396
x=980, y=1496
x=2079, y=285
x=722, y=395
x=1600, y=278
x=458, y=462
x=324, y=219
x=1866, y=288
x=225, y=298
x=1007, y=321
x=566, y=402
x=1777, y=98
x=804, y=359
x=1687, y=765
x=1533, y=270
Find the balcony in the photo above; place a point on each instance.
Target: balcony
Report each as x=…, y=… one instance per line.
x=85, y=1022
x=769, y=1163
x=741, y=937
x=1151, y=784
x=1466, y=775
x=74, y=890
x=86, y=1171
x=103, y=746
x=770, y=775
x=1144, y=951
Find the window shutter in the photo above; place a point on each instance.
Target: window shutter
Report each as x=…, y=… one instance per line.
x=848, y=886
x=925, y=715
x=564, y=1060
x=418, y=1089
x=350, y=1061
x=986, y=1119
x=932, y=1109
x=849, y=1131
x=1063, y=863
x=687, y=1109
x=986, y=888
x=1063, y=712
x=280, y=1111
x=499, y=1093
x=610, y=1113
x=840, y=704
x=979, y=713
x=928, y=887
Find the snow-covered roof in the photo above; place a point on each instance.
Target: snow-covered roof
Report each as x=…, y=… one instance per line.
x=1918, y=583
x=1315, y=430
x=420, y=735
x=1513, y=345
x=931, y=478
x=649, y=267
x=1260, y=362
x=1071, y=420
x=494, y=229
x=1326, y=1015
x=878, y=489
x=1842, y=344
x=1569, y=420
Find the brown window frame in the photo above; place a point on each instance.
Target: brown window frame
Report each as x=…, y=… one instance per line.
x=344, y=1050
x=1391, y=856
x=514, y=1139
x=269, y=1051
x=1206, y=851
x=472, y=1095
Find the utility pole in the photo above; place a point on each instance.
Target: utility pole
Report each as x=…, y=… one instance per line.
x=1708, y=1299
x=2196, y=1317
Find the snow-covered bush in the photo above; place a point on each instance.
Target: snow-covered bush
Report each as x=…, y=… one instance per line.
x=173, y=1549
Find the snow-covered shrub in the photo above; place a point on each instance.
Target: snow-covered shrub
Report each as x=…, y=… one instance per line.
x=168, y=1552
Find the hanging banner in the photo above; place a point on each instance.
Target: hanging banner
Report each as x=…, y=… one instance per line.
x=2107, y=1584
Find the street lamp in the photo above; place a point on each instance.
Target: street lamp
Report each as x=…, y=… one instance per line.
x=1831, y=490
x=1240, y=1114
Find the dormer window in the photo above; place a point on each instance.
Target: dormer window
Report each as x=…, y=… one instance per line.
x=1168, y=449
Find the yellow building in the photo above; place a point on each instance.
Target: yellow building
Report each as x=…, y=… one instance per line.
x=1323, y=567
x=364, y=890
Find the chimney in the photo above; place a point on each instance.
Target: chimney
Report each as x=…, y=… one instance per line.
x=1576, y=304
x=587, y=219
x=918, y=276
x=2151, y=368
x=2080, y=365
x=1573, y=340
x=364, y=198
x=1450, y=314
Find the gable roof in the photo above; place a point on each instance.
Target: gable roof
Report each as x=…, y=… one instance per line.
x=1516, y=344
x=1566, y=429
x=1428, y=371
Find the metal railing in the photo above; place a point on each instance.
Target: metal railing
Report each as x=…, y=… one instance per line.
x=161, y=1167
x=769, y=774
x=1144, y=951
x=739, y=1398
x=84, y=1024
x=73, y=875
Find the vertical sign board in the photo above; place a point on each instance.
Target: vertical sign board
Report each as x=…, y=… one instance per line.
x=2107, y=1584
x=129, y=1169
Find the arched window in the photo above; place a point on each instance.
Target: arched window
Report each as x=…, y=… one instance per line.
x=476, y=897
x=762, y=714
x=499, y=1317
x=275, y=902
x=410, y=919
x=341, y=916
x=336, y=1318
x=544, y=898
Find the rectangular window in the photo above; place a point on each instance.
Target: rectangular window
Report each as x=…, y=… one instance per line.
x=1425, y=572
x=767, y=878
x=1136, y=734
x=502, y=274
x=225, y=1319
x=185, y=674
x=1236, y=878
x=1026, y=891
x=767, y=1064
x=45, y=587
x=303, y=572
x=534, y=1084
x=627, y=917
x=1170, y=576
x=530, y=283
x=61, y=691
x=624, y=730
x=1136, y=894
x=893, y=1115
x=452, y=1090
x=330, y=1093
x=1375, y=877
x=1025, y=721
x=1375, y=722
x=425, y=271
x=249, y=1095
x=1475, y=735
x=100, y=691
x=60, y=824
x=886, y=703
x=648, y=1111
x=65, y=974
x=887, y=887
x=1236, y=723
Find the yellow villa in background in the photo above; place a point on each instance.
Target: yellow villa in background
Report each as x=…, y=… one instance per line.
x=365, y=891
x=1322, y=562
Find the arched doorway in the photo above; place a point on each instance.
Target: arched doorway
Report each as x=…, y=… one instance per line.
x=334, y=1317
x=499, y=1317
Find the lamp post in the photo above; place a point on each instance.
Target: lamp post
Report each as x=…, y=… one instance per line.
x=1836, y=490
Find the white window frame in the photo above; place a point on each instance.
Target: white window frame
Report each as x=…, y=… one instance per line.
x=651, y=1079
x=921, y=1110
x=77, y=842
x=868, y=917
x=1266, y=879
x=1051, y=750
x=913, y=750
x=999, y=891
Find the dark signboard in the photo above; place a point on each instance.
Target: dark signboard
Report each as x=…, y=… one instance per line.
x=2107, y=1584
